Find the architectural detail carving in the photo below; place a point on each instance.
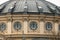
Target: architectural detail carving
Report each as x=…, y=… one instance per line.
x=29, y=20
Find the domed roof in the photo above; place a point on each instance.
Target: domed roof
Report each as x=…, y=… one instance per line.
x=35, y=6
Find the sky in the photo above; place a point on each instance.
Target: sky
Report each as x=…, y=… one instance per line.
x=56, y=2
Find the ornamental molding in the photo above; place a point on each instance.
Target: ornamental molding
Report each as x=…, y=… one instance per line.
x=9, y=18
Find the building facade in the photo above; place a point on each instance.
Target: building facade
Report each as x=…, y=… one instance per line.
x=29, y=20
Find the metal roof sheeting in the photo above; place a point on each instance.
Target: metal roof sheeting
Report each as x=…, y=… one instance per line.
x=32, y=6
x=19, y=6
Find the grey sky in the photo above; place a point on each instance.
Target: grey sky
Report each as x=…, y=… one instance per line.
x=56, y=2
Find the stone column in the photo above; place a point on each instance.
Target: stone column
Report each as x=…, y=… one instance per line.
x=9, y=23
x=25, y=26
x=56, y=28
x=41, y=27
x=9, y=27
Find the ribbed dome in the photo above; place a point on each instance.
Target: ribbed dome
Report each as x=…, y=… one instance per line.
x=36, y=6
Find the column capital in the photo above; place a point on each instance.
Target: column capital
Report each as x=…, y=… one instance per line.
x=56, y=21
x=42, y=19
x=9, y=17
x=25, y=19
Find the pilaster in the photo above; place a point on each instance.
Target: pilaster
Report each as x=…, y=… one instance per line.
x=42, y=26
x=9, y=23
x=56, y=27
x=25, y=25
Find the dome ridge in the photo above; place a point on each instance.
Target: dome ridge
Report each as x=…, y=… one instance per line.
x=35, y=6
